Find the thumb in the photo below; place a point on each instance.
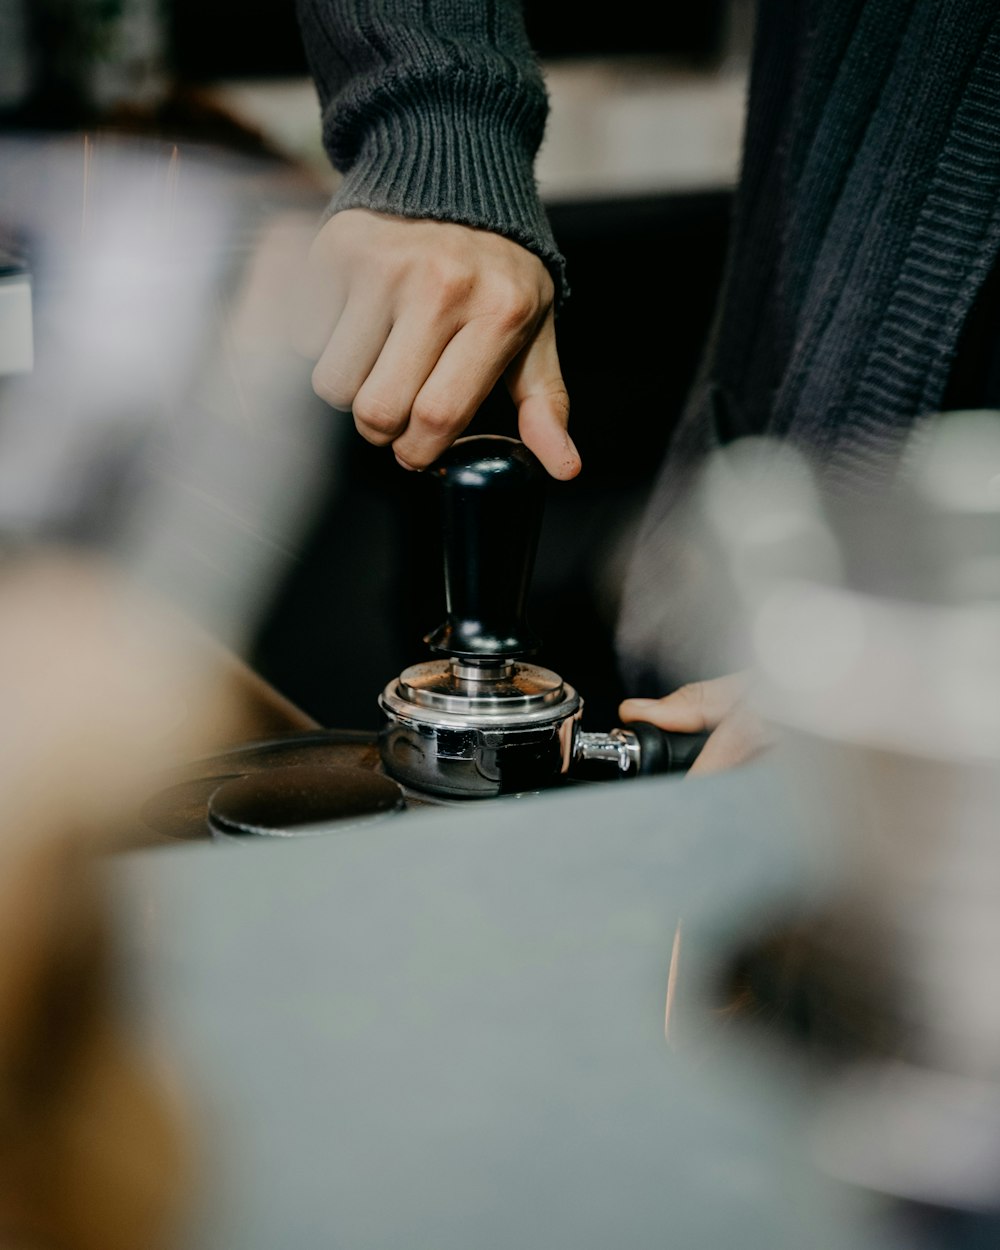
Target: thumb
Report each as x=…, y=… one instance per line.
x=692, y=708
x=536, y=386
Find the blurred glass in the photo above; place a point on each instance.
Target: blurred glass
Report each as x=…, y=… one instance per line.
x=869, y=624
x=157, y=464
x=169, y=421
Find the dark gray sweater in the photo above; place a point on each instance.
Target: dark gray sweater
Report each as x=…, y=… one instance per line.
x=433, y=108
x=866, y=220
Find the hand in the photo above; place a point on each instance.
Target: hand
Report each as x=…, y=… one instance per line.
x=738, y=734
x=413, y=322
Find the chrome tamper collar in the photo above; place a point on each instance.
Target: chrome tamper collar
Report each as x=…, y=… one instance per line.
x=449, y=692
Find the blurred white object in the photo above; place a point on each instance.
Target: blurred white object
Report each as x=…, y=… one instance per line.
x=627, y=127
x=867, y=620
x=168, y=422
x=871, y=626
x=286, y=112
x=16, y=338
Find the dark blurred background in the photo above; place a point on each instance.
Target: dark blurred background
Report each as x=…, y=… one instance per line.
x=644, y=263
x=261, y=38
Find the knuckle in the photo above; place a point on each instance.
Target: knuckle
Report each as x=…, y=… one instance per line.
x=433, y=416
x=452, y=284
x=456, y=289
x=516, y=308
x=371, y=435
x=331, y=385
x=373, y=412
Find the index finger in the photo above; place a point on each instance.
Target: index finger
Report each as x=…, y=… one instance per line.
x=535, y=383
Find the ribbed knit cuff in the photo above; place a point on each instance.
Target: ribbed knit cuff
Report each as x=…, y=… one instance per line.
x=453, y=160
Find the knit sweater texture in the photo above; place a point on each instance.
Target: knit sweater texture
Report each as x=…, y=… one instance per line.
x=433, y=109
x=865, y=221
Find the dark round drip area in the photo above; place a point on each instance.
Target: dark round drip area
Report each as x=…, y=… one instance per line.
x=301, y=800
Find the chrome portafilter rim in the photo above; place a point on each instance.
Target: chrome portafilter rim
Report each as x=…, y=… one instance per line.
x=450, y=693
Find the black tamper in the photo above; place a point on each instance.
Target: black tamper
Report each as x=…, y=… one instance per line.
x=482, y=720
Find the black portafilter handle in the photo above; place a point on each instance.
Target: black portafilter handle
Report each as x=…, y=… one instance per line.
x=637, y=749
x=665, y=751
x=491, y=492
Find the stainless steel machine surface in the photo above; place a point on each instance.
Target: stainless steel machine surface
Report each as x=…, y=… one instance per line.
x=448, y=1031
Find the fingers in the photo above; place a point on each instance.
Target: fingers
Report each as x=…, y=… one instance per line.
x=692, y=708
x=738, y=738
x=354, y=346
x=457, y=384
x=738, y=734
x=416, y=321
x=386, y=398
x=536, y=385
x=323, y=287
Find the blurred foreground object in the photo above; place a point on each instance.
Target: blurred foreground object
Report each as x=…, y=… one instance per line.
x=155, y=466
x=168, y=423
x=16, y=347
x=101, y=688
x=871, y=625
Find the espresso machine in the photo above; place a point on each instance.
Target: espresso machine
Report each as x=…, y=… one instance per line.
x=478, y=720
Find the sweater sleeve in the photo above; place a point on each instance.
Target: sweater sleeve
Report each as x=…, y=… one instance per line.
x=433, y=109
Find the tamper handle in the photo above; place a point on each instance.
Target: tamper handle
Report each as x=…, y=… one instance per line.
x=492, y=493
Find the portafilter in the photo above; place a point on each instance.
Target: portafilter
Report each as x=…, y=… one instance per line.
x=482, y=721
